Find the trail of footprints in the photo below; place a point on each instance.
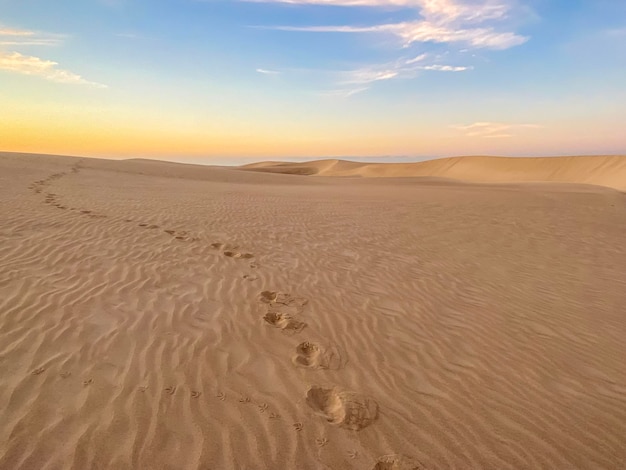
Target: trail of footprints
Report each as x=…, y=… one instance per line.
x=52, y=199
x=346, y=409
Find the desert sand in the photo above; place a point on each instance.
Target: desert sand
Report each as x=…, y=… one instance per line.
x=458, y=314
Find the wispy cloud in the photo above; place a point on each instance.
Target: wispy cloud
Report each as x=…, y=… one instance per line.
x=492, y=129
x=343, y=93
x=401, y=68
x=47, y=69
x=21, y=37
x=434, y=25
x=470, y=22
x=30, y=65
x=268, y=72
x=424, y=31
x=419, y=58
x=446, y=68
x=446, y=9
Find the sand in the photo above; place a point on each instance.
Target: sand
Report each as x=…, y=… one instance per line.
x=164, y=316
x=607, y=171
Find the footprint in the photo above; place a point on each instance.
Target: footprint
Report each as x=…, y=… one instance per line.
x=244, y=400
x=249, y=277
x=170, y=232
x=143, y=225
x=195, y=394
x=282, y=301
x=143, y=388
x=65, y=374
x=307, y=355
x=217, y=246
x=38, y=371
x=85, y=212
x=314, y=356
x=274, y=416
x=263, y=407
x=321, y=441
x=346, y=409
x=352, y=454
x=171, y=390
x=238, y=255
x=284, y=322
x=298, y=426
x=282, y=311
x=152, y=227
x=397, y=462
x=268, y=296
x=221, y=396
x=87, y=382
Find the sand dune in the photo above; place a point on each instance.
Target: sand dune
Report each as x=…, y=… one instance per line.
x=164, y=316
x=607, y=171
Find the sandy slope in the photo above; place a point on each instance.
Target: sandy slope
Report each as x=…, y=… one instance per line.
x=599, y=170
x=161, y=316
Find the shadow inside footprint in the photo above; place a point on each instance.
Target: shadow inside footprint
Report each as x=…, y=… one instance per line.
x=346, y=409
x=308, y=355
x=284, y=322
x=237, y=255
x=268, y=296
x=397, y=462
x=315, y=356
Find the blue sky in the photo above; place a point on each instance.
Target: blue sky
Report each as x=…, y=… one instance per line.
x=207, y=79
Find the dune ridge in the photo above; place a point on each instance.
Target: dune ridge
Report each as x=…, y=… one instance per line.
x=607, y=171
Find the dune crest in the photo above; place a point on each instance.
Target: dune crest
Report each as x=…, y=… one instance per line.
x=607, y=171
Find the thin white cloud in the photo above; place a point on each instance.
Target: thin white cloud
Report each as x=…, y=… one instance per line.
x=419, y=58
x=22, y=37
x=443, y=21
x=492, y=129
x=47, y=69
x=343, y=93
x=15, y=32
x=460, y=24
x=446, y=68
x=425, y=31
x=436, y=9
x=400, y=69
x=268, y=72
x=366, y=75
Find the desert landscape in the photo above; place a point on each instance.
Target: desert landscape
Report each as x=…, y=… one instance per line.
x=463, y=313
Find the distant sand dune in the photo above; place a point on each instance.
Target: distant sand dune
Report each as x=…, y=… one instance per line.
x=607, y=171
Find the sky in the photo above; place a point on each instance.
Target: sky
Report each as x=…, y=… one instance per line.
x=230, y=80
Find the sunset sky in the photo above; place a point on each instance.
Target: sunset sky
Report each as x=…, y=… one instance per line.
x=217, y=79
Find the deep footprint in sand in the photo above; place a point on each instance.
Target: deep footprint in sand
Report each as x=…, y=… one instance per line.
x=316, y=356
x=346, y=409
x=282, y=311
x=397, y=462
x=238, y=255
x=284, y=322
x=283, y=302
